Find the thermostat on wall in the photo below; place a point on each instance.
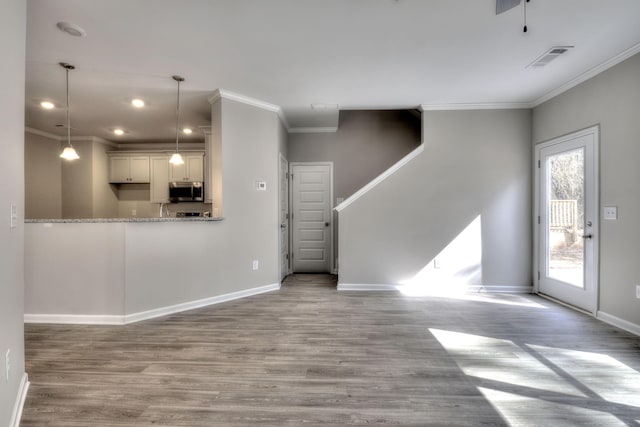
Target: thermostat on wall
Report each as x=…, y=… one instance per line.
x=261, y=185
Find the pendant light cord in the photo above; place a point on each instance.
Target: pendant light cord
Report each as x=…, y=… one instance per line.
x=178, y=79
x=68, y=67
x=68, y=113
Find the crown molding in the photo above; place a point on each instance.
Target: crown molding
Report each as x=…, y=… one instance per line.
x=225, y=94
x=626, y=54
x=73, y=139
x=477, y=106
x=43, y=134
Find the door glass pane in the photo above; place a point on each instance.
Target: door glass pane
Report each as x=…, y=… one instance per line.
x=565, y=210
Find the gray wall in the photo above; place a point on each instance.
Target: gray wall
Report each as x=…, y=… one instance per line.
x=365, y=145
x=43, y=180
x=77, y=182
x=75, y=269
x=475, y=164
x=12, y=46
x=123, y=269
x=612, y=100
x=215, y=259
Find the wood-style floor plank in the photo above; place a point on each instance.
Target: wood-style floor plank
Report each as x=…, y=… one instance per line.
x=308, y=354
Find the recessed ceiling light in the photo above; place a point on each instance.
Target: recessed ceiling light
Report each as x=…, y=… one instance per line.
x=188, y=131
x=47, y=105
x=138, y=103
x=118, y=132
x=71, y=29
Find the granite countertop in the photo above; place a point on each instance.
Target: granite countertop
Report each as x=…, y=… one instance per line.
x=99, y=220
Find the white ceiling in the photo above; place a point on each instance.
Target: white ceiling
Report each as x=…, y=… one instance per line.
x=365, y=54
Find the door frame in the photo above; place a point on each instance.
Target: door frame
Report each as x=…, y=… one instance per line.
x=283, y=274
x=595, y=268
x=332, y=267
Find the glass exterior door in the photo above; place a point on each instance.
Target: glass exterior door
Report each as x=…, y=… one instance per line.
x=568, y=218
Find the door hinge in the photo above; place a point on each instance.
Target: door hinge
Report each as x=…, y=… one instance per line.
x=538, y=219
x=287, y=175
x=287, y=256
x=538, y=275
x=538, y=164
x=291, y=176
x=287, y=216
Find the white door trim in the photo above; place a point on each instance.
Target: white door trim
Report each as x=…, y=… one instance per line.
x=331, y=243
x=593, y=130
x=281, y=158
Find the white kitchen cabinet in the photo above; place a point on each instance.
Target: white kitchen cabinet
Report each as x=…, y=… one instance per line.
x=127, y=169
x=159, y=186
x=191, y=170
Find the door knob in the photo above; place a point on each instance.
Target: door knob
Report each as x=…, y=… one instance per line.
x=326, y=224
x=283, y=225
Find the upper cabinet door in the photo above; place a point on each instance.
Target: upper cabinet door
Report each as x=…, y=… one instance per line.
x=195, y=166
x=128, y=169
x=191, y=170
x=119, y=169
x=178, y=172
x=139, y=169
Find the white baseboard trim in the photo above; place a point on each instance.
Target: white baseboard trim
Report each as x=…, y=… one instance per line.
x=75, y=319
x=365, y=287
x=472, y=288
x=145, y=315
x=16, y=415
x=618, y=322
x=494, y=289
x=163, y=311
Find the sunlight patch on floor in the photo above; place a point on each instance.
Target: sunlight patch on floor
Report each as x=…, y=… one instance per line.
x=605, y=376
x=526, y=411
x=540, y=385
x=501, y=360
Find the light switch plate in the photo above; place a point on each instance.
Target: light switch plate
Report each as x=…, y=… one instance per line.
x=610, y=212
x=14, y=215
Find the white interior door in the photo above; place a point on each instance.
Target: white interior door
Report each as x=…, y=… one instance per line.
x=567, y=206
x=283, y=172
x=311, y=197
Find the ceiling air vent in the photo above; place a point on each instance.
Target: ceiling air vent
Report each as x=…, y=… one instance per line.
x=549, y=56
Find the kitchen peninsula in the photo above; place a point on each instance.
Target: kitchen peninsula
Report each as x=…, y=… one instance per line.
x=92, y=270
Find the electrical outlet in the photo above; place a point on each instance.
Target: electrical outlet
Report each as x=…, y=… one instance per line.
x=255, y=264
x=134, y=212
x=610, y=212
x=638, y=291
x=7, y=365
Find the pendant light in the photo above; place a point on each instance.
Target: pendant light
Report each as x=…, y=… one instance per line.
x=69, y=153
x=176, y=158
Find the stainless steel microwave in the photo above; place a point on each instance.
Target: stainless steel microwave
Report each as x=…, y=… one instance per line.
x=186, y=191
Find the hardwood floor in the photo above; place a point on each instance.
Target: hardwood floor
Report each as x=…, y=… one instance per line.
x=308, y=354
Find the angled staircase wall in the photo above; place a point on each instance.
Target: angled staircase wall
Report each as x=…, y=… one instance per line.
x=474, y=168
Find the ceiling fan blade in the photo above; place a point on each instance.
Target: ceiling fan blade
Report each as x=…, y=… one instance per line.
x=504, y=5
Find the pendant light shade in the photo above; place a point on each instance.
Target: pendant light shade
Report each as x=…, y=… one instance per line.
x=176, y=158
x=69, y=153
